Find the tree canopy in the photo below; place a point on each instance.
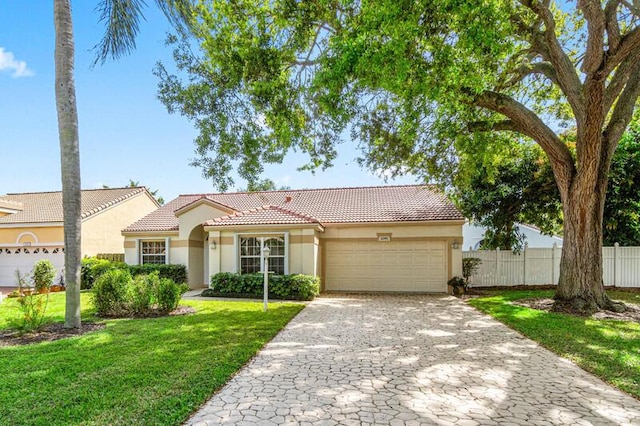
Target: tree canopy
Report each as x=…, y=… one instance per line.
x=419, y=84
x=520, y=188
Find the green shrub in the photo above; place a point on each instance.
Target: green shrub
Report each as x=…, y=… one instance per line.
x=470, y=266
x=291, y=287
x=304, y=287
x=92, y=268
x=140, y=294
x=43, y=274
x=111, y=293
x=176, y=273
x=32, y=306
x=168, y=294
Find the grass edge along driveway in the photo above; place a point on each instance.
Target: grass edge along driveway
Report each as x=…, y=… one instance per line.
x=609, y=349
x=136, y=371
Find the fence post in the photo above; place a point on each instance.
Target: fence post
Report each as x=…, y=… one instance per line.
x=497, y=266
x=553, y=263
x=524, y=264
x=615, y=264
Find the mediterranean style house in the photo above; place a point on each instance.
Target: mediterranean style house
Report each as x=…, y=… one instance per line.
x=386, y=238
x=31, y=226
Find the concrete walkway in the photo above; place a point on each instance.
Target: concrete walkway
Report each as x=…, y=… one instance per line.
x=409, y=360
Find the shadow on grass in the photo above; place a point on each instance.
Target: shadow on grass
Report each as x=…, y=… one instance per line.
x=151, y=371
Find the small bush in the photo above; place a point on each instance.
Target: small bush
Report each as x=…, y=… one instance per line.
x=32, y=306
x=92, y=268
x=111, y=292
x=168, y=294
x=176, y=273
x=117, y=293
x=470, y=266
x=43, y=275
x=140, y=294
x=291, y=287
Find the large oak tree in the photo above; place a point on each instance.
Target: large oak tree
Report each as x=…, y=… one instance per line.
x=420, y=84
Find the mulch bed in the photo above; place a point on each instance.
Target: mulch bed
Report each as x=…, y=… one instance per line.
x=545, y=304
x=57, y=331
x=48, y=333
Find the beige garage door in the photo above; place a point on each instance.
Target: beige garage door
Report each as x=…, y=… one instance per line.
x=418, y=266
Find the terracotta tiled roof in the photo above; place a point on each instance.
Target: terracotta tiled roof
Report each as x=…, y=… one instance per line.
x=43, y=207
x=11, y=205
x=265, y=215
x=335, y=205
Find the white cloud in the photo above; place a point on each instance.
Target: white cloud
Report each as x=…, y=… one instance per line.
x=8, y=62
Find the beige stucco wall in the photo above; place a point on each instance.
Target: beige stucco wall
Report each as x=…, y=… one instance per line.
x=101, y=232
x=305, y=244
x=43, y=235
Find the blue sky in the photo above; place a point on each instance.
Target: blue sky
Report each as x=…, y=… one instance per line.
x=125, y=132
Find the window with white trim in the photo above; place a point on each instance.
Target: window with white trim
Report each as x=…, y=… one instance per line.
x=250, y=254
x=154, y=252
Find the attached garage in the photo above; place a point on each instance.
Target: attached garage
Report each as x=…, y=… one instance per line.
x=387, y=266
x=23, y=259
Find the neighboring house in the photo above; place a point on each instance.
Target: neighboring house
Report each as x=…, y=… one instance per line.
x=472, y=236
x=31, y=226
x=390, y=238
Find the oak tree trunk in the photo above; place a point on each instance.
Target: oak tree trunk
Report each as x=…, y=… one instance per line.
x=69, y=156
x=580, y=286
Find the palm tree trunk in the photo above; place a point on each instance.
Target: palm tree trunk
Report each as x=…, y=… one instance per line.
x=69, y=156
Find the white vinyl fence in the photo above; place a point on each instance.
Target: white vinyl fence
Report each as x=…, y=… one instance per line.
x=538, y=266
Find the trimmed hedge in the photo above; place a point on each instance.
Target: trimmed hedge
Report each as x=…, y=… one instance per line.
x=92, y=268
x=117, y=294
x=288, y=287
x=176, y=273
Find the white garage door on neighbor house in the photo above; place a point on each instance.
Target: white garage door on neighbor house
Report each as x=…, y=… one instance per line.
x=23, y=259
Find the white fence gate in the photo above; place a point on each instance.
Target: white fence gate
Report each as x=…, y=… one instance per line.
x=539, y=266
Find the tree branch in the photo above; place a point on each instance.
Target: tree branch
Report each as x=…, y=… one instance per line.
x=628, y=43
x=623, y=111
x=528, y=123
x=568, y=80
x=613, y=27
x=596, y=25
x=544, y=68
x=488, y=126
x=620, y=79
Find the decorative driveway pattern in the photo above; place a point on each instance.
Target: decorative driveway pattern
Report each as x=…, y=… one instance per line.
x=409, y=360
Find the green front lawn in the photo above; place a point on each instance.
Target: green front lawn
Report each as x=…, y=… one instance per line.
x=135, y=371
x=609, y=349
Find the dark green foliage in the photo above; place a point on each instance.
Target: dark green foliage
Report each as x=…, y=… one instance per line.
x=176, y=273
x=43, y=274
x=167, y=294
x=111, y=293
x=117, y=293
x=469, y=267
x=622, y=206
x=140, y=294
x=288, y=287
x=521, y=188
x=93, y=267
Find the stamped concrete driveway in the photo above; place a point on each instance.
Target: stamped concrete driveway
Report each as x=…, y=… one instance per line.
x=405, y=360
